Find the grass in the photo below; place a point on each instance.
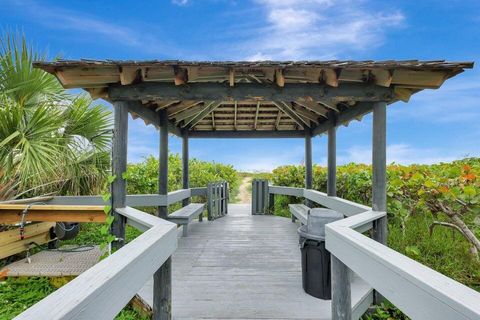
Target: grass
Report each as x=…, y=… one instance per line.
x=18, y=294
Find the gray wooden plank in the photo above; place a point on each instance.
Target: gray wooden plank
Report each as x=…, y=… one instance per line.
x=243, y=267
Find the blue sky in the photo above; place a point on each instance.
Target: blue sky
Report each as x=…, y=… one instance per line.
x=436, y=125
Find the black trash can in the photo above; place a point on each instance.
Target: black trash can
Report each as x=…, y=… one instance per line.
x=315, y=258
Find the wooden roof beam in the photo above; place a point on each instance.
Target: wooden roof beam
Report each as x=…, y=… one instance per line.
x=314, y=107
x=247, y=134
x=208, y=91
x=289, y=112
x=306, y=113
x=151, y=116
x=191, y=122
x=358, y=110
x=166, y=105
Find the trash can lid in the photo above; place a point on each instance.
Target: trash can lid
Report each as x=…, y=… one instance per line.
x=316, y=221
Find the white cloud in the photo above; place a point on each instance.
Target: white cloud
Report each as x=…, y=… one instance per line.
x=317, y=29
x=180, y=2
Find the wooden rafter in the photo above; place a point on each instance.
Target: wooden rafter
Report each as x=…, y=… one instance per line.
x=277, y=121
x=314, y=107
x=302, y=112
x=289, y=112
x=191, y=122
x=166, y=105
x=235, y=116
x=184, y=105
x=256, y=116
x=213, y=120
x=329, y=104
x=190, y=112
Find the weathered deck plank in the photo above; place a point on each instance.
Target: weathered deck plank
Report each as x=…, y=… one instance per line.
x=242, y=267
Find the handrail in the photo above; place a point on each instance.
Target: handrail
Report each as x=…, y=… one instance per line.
x=133, y=200
x=103, y=290
x=420, y=292
x=348, y=208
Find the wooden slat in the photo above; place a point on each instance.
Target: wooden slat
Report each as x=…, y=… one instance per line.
x=31, y=230
x=11, y=213
x=22, y=245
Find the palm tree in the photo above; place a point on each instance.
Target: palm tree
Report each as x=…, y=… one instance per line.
x=50, y=141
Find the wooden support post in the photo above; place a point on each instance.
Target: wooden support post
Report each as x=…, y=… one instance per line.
x=379, y=175
x=379, y=169
x=341, y=291
x=308, y=163
x=162, y=279
x=162, y=292
x=332, y=156
x=119, y=166
x=185, y=178
x=163, y=162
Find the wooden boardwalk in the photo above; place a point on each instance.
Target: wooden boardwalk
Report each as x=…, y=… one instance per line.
x=242, y=267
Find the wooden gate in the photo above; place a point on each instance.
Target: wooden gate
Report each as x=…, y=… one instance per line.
x=217, y=200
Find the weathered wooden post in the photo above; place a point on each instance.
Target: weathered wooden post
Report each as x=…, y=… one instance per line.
x=379, y=169
x=162, y=279
x=341, y=290
x=119, y=166
x=332, y=156
x=341, y=287
x=308, y=163
x=185, y=178
x=163, y=162
x=379, y=175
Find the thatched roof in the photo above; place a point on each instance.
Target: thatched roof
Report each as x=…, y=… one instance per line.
x=245, y=96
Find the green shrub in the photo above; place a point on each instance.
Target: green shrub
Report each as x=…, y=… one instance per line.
x=417, y=195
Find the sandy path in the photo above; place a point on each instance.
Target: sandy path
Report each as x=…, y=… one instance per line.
x=244, y=195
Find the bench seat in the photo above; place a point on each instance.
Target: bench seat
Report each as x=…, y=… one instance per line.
x=300, y=212
x=186, y=214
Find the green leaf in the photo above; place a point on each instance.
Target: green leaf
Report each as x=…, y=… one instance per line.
x=109, y=220
x=124, y=175
x=412, y=251
x=110, y=179
x=107, y=209
x=106, y=197
x=470, y=191
x=429, y=184
x=105, y=229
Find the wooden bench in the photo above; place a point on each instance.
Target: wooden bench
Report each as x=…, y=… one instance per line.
x=186, y=214
x=300, y=212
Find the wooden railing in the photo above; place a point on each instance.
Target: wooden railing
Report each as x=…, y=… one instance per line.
x=420, y=292
x=102, y=291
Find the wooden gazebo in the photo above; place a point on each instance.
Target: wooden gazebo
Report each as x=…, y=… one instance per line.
x=270, y=99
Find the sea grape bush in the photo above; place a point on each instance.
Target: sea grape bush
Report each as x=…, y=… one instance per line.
x=142, y=178
x=434, y=212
